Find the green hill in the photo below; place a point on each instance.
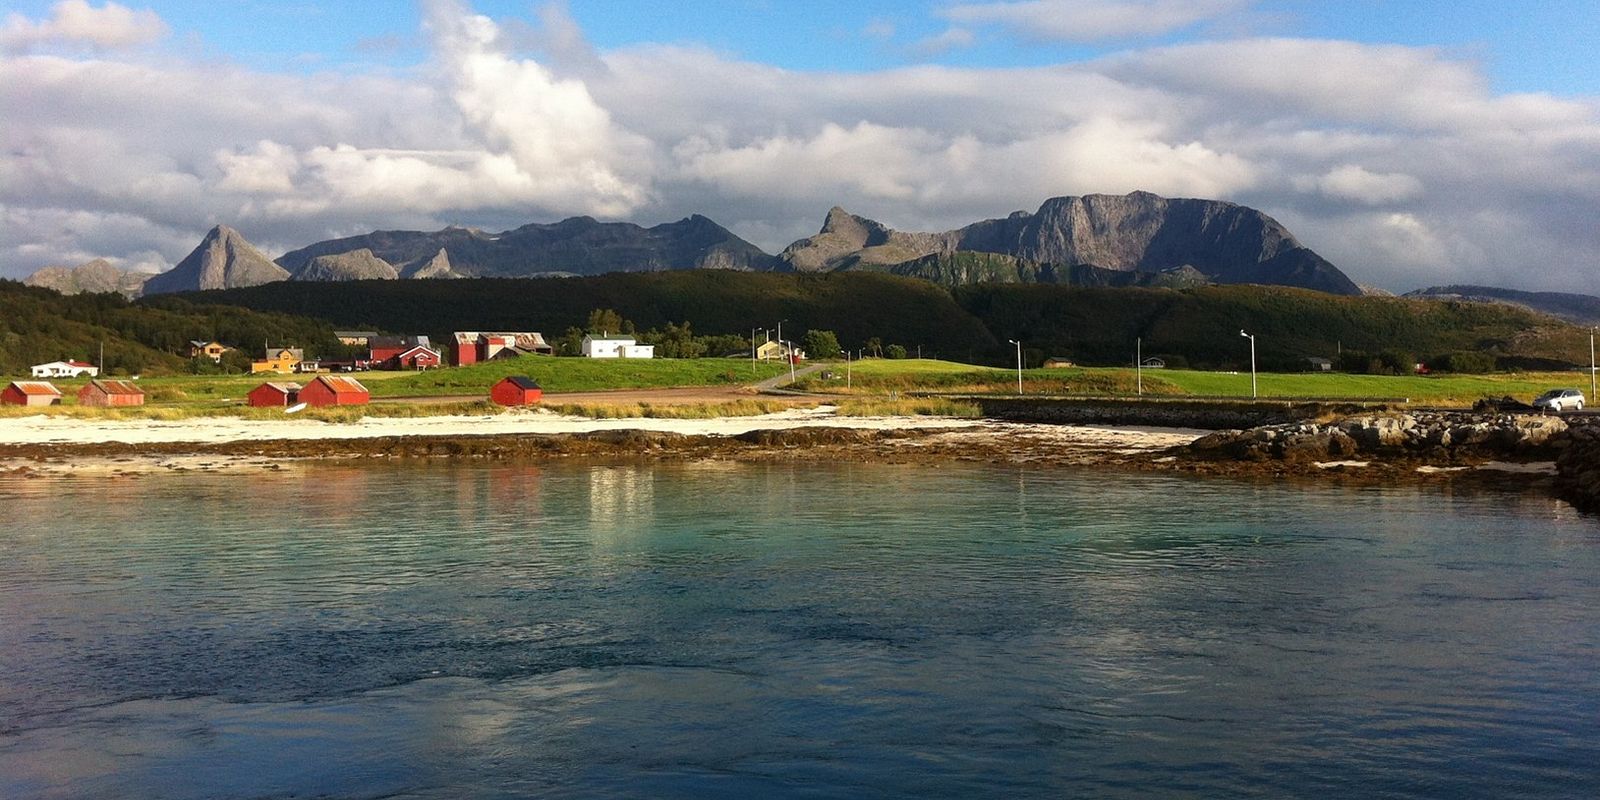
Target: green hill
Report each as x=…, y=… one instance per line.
x=151, y=336
x=1197, y=327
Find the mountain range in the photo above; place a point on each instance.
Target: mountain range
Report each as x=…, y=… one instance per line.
x=1139, y=239
x=1581, y=309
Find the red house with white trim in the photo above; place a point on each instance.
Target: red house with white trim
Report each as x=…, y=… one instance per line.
x=516, y=390
x=330, y=390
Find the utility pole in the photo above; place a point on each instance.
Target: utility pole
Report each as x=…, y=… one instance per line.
x=1138, y=366
x=1592, y=391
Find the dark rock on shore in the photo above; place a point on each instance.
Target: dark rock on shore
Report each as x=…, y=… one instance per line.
x=1578, y=468
x=1443, y=437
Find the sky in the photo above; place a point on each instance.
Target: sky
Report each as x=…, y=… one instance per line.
x=1410, y=143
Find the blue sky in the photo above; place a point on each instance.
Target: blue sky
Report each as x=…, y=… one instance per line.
x=1544, y=46
x=1411, y=143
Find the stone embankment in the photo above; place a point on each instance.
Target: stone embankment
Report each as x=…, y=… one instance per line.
x=1578, y=467
x=1162, y=412
x=1441, y=437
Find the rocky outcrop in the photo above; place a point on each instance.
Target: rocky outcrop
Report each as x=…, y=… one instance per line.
x=1436, y=437
x=356, y=265
x=224, y=260
x=92, y=277
x=436, y=267
x=1141, y=232
x=1578, y=468
x=576, y=246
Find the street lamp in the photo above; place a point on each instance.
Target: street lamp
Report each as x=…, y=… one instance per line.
x=1252, y=361
x=1592, y=392
x=1019, y=365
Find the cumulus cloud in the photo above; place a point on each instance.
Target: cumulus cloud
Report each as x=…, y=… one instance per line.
x=1092, y=20
x=75, y=22
x=1399, y=164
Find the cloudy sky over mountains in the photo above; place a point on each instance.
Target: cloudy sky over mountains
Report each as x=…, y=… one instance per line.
x=1410, y=143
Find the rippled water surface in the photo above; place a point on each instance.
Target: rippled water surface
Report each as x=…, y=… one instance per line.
x=756, y=631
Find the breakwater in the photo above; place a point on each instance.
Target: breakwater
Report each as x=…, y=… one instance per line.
x=1164, y=413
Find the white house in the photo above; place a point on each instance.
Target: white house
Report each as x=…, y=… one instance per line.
x=65, y=369
x=604, y=346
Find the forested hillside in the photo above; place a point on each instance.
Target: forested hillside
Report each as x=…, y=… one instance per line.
x=39, y=325
x=857, y=306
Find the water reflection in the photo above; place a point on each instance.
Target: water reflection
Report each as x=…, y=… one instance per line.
x=443, y=630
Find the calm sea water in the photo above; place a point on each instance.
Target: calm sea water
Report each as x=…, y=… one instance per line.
x=483, y=631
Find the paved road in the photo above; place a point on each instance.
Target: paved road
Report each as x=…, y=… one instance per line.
x=783, y=380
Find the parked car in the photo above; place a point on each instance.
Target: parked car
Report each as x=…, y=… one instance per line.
x=1559, y=400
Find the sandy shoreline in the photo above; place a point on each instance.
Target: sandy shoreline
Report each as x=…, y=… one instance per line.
x=49, y=429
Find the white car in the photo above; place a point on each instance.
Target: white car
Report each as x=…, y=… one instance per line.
x=1559, y=400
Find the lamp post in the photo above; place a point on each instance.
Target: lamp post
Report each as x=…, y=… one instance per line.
x=1019, y=365
x=1252, y=339
x=1138, y=366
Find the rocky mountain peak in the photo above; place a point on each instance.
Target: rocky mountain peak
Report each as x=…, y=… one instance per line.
x=223, y=260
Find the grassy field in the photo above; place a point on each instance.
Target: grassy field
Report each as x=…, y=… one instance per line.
x=180, y=396
x=878, y=376
x=577, y=375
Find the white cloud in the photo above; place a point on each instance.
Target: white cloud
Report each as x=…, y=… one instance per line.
x=938, y=44
x=76, y=22
x=1092, y=20
x=1357, y=184
x=1399, y=164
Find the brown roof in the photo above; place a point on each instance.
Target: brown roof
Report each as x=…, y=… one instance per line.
x=342, y=384
x=117, y=387
x=36, y=387
x=282, y=386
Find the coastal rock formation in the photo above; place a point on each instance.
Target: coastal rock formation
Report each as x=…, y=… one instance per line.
x=223, y=260
x=92, y=277
x=1578, y=468
x=1141, y=232
x=1435, y=436
x=356, y=265
x=576, y=246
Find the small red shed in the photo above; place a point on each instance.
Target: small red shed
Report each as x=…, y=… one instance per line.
x=274, y=394
x=418, y=357
x=329, y=390
x=30, y=393
x=111, y=393
x=517, y=390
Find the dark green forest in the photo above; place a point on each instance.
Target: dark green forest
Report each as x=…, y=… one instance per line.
x=1197, y=327
x=39, y=325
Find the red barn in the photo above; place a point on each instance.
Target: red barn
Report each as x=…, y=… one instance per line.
x=418, y=357
x=328, y=390
x=517, y=390
x=110, y=393
x=30, y=393
x=274, y=394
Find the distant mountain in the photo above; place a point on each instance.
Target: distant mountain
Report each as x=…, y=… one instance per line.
x=93, y=277
x=1139, y=232
x=436, y=267
x=356, y=265
x=1582, y=309
x=223, y=260
x=965, y=268
x=576, y=246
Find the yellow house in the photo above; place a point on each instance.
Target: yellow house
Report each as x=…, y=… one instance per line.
x=211, y=350
x=278, y=359
x=777, y=351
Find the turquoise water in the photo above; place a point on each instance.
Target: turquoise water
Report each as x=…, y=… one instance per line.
x=469, y=630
